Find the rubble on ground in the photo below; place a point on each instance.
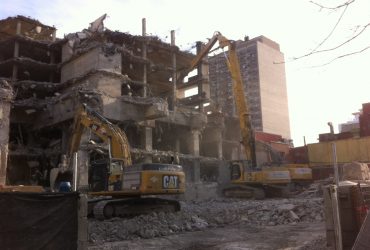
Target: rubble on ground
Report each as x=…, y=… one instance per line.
x=315, y=189
x=317, y=244
x=199, y=215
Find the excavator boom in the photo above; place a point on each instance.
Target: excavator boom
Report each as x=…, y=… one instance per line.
x=123, y=182
x=105, y=130
x=238, y=90
x=244, y=175
x=242, y=106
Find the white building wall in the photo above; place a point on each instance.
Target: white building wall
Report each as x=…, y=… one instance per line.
x=273, y=91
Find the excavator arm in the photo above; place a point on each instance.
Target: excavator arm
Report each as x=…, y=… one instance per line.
x=104, y=129
x=248, y=140
x=125, y=186
x=238, y=90
x=217, y=37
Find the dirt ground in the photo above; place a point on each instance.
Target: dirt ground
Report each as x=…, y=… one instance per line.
x=301, y=236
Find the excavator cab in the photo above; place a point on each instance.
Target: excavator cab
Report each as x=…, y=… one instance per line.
x=240, y=170
x=235, y=171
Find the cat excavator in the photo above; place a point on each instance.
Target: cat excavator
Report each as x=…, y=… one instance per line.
x=246, y=179
x=120, y=187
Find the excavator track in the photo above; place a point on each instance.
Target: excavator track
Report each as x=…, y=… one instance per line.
x=131, y=207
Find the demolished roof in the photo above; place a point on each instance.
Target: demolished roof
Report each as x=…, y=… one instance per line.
x=30, y=28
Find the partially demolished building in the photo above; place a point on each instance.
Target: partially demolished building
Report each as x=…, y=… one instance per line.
x=132, y=80
x=129, y=79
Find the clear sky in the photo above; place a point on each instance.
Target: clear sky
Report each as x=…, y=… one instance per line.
x=316, y=95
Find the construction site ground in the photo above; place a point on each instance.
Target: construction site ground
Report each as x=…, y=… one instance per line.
x=296, y=223
x=302, y=236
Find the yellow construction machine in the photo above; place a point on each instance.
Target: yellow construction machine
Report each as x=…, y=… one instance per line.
x=122, y=188
x=301, y=174
x=246, y=179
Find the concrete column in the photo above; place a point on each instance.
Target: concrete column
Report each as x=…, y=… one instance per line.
x=6, y=95
x=83, y=163
x=218, y=141
x=174, y=71
x=336, y=217
x=144, y=55
x=83, y=170
x=200, y=75
x=16, y=49
x=147, y=134
x=147, y=142
x=16, y=53
x=52, y=61
x=194, y=149
x=219, y=149
x=177, y=144
x=82, y=233
x=194, y=142
x=54, y=36
x=196, y=171
x=15, y=72
x=15, y=66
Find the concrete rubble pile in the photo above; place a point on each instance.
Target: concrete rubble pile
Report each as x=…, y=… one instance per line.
x=199, y=215
x=314, y=189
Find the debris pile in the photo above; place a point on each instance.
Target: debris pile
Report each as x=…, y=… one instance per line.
x=199, y=215
x=315, y=189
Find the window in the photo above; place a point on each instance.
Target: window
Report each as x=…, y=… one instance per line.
x=191, y=91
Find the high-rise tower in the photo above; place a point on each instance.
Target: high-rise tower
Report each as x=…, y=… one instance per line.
x=264, y=81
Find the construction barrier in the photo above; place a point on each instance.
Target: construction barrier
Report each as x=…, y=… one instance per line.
x=38, y=220
x=348, y=150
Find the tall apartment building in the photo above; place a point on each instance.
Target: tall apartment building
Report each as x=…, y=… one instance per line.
x=265, y=85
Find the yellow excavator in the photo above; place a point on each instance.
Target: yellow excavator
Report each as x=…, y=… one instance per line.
x=246, y=179
x=123, y=188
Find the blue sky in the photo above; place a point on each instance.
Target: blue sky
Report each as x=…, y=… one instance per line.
x=316, y=94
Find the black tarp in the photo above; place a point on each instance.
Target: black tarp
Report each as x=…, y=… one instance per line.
x=38, y=221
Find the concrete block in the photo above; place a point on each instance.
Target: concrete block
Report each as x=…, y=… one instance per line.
x=94, y=59
x=157, y=110
x=198, y=121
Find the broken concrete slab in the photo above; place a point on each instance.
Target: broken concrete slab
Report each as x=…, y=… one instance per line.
x=94, y=59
